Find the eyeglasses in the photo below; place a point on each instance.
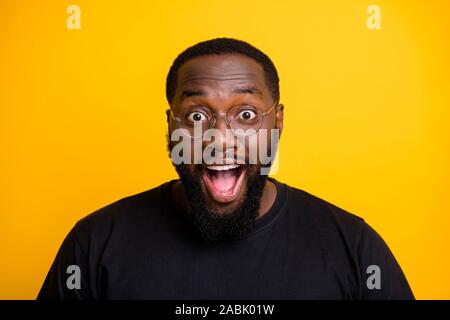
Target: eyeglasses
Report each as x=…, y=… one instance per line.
x=242, y=119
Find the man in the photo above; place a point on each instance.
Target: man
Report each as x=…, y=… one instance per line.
x=224, y=230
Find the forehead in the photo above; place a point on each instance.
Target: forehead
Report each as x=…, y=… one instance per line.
x=221, y=72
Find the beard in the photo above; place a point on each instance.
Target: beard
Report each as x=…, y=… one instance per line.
x=212, y=225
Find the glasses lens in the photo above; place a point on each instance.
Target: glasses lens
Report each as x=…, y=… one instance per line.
x=195, y=121
x=245, y=120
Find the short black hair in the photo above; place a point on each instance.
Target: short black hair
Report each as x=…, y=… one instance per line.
x=223, y=46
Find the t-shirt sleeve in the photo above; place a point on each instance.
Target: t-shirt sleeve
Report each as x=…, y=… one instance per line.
x=381, y=277
x=68, y=278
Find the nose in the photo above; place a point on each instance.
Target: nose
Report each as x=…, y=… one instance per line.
x=222, y=140
x=221, y=123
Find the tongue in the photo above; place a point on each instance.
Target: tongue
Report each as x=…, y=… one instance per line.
x=223, y=180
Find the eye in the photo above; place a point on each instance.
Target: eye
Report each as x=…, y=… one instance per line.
x=246, y=115
x=196, y=116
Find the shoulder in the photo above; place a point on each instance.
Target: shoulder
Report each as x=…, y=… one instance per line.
x=316, y=210
x=329, y=224
x=333, y=223
x=125, y=211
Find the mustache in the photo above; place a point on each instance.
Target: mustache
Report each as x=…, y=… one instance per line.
x=230, y=156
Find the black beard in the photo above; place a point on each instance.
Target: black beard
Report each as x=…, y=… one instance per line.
x=211, y=225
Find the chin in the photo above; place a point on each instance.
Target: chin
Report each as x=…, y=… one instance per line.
x=224, y=201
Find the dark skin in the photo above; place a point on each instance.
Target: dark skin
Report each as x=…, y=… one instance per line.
x=221, y=82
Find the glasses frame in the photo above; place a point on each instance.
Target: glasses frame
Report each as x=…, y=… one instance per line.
x=225, y=115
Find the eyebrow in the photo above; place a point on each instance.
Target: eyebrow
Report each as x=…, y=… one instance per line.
x=244, y=90
x=191, y=93
x=252, y=90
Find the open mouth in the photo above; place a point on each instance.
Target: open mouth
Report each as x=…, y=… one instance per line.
x=224, y=182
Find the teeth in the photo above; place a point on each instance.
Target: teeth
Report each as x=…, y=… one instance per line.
x=226, y=167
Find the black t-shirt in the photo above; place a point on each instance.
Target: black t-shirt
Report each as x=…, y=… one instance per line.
x=142, y=247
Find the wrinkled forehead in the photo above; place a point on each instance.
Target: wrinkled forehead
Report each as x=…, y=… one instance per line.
x=221, y=74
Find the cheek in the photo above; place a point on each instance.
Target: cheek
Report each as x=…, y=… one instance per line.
x=183, y=148
x=194, y=170
x=268, y=132
x=259, y=145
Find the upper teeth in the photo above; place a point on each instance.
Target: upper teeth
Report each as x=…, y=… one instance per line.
x=220, y=168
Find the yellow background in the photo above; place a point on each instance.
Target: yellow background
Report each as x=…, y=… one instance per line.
x=82, y=119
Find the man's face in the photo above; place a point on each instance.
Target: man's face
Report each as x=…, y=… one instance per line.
x=219, y=83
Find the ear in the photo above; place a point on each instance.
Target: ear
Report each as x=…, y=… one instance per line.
x=280, y=117
x=168, y=116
